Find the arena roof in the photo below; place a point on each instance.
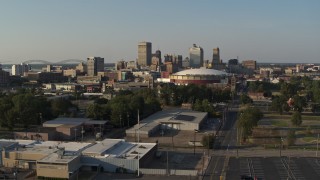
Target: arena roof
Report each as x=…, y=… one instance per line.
x=201, y=71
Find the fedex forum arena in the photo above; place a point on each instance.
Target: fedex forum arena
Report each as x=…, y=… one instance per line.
x=200, y=76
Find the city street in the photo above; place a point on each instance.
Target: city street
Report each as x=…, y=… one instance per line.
x=230, y=161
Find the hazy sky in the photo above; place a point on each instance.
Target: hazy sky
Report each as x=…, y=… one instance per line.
x=266, y=31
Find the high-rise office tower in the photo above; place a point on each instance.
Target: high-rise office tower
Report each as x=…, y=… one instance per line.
x=144, y=53
x=216, y=56
x=158, y=55
x=196, y=56
x=94, y=65
x=19, y=69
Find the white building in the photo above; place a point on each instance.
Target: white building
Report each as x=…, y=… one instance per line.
x=181, y=119
x=19, y=69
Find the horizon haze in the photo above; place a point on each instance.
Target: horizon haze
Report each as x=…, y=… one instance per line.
x=266, y=31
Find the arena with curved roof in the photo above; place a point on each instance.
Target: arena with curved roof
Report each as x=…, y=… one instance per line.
x=200, y=76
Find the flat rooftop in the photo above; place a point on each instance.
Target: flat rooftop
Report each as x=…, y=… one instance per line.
x=35, y=150
x=118, y=148
x=4, y=144
x=72, y=121
x=57, y=158
x=69, y=147
x=170, y=116
x=101, y=147
x=65, y=121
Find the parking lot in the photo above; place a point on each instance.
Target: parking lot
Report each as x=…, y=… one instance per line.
x=274, y=168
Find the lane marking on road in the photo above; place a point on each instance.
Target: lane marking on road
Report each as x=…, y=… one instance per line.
x=212, y=174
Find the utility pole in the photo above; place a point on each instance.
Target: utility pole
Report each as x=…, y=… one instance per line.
x=82, y=132
x=172, y=139
x=128, y=119
x=138, y=143
x=75, y=134
x=168, y=162
x=289, y=168
x=208, y=142
x=194, y=141
x=280, y=145
x=317, y=145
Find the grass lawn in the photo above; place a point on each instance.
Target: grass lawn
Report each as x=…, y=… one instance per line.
x=309, y=139
x=284, y=120
x=279, y=123
x=276, y=116
x=314, y=118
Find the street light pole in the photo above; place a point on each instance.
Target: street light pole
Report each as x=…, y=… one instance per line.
x=317, y=145
x=280, y=145
x=82, y=132
x=208, y=142
x=128, y=119
x=75, y=134
x=194, y=141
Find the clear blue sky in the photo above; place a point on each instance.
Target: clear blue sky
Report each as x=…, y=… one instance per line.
x=266, y=31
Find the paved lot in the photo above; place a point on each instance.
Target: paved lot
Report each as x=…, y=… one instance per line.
x=109, y=176
x=178, y=160
x=274, y=168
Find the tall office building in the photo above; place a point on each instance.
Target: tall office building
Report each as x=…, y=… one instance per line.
x=250, y=64
x=216, y=61
x=19, y=69
x=196, y=56
x=144, y=53
x=95, y=65
x=158, y=55
x=4, y=76
x=216, y=56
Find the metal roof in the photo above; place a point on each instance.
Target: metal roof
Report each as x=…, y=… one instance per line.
x=201, y=71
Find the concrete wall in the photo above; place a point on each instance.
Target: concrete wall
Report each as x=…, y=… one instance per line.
x=21, y=159
x=52, y=170
x=111, y=164
x=59, y=170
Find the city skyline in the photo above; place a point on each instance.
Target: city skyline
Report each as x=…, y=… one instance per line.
x=272, y=31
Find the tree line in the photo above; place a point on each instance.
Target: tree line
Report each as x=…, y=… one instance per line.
x=122, y=110
x=24, y=108
x=301, y=90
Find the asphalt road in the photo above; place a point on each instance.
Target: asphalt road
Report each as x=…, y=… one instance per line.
x=225, y=141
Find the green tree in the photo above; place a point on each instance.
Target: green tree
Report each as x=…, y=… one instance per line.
x=291, y=137
x=316, y=91
x=247, y=120
x=245, y=99
x=299, y=103
x=60, y=107
x=253, y=86
x=96, y=111
x=296, y=118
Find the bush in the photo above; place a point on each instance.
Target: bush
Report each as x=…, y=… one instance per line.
x=296, y=118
